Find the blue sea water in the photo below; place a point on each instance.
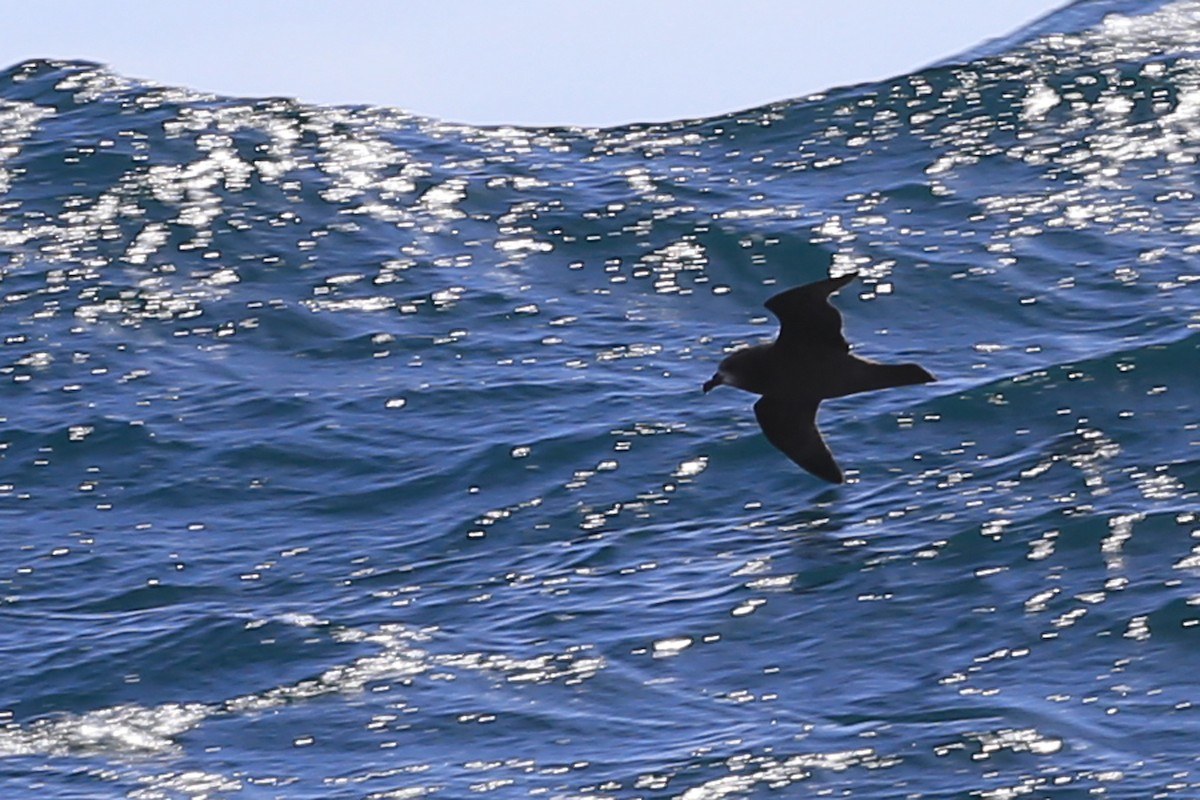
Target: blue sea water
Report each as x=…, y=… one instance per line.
x=351, y=454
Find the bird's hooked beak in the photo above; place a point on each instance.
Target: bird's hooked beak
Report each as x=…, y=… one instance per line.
x=716, y=380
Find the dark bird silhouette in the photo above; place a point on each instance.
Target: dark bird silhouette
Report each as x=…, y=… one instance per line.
x=808, y=362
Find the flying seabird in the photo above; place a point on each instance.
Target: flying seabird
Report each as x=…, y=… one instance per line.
x=808, y=362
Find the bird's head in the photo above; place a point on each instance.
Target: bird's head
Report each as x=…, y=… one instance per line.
x=738, y=368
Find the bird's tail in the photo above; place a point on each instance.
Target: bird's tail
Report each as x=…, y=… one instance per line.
x=856, y=375
x=886, y=376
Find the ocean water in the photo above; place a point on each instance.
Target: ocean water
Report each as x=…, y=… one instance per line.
x=351, y=454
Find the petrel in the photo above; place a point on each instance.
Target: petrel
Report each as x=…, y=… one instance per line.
x=808, y=362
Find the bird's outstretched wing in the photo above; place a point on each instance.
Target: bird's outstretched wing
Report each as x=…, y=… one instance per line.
x=792, y=427
x=806, y=317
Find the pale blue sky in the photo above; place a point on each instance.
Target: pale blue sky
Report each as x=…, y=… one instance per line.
x=514, y=61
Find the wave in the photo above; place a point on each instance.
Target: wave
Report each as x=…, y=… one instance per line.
x=336, y=435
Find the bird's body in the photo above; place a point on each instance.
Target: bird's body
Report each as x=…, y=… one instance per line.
x=809, y=362
x=810, y=374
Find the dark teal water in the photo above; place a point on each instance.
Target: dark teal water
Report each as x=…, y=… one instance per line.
x=345, y=453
